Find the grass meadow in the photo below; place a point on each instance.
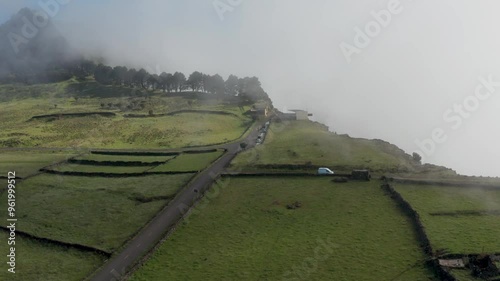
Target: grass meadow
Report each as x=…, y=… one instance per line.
x=189, y=162
x=300, y=142
x=26, y=163
x=124, y=158
x=37, y=261
x=349, y=231
x=180, y=130
x=98, y=212
x=101, y=169
x=467, y=218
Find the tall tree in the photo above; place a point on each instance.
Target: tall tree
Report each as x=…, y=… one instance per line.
x=130, y=76
x=180, y=81
x=140, y=78
x=218, y=85
x=232, y=85
x=195, y=80
x=170, y=82
x=119, y=74
x=163, y=80
x=102, y=74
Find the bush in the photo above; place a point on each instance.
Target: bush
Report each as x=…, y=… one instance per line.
x=416, y=157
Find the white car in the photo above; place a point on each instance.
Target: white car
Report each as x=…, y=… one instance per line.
x=325, y=171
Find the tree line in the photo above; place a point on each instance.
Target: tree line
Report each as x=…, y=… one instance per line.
x=174, y=82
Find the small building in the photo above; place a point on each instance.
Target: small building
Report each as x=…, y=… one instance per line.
x=297, y=114
x=260, y=110
x=452, y=263
x=301, y=114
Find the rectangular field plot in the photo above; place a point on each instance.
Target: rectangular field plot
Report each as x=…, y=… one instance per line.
x=26, y=163
x=101, y=169
x=243, y=230
x=189, y=162
x=458, y=219
x=38, y=261
x=97, y=212
x=124, y=158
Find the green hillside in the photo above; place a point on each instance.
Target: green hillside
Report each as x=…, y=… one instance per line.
x=153, y=130
x=307, y=143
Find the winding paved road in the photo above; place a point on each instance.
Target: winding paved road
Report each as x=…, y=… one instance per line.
x=115, y=268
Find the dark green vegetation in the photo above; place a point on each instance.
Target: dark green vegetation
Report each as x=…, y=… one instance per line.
x=124, y=158
x=349, y=231
x=26, y=163
x=37, y=261
x=102, y=169
x=97, y=212
x=459, y=220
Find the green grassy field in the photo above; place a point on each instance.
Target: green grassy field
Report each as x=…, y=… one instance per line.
x=464, y=275
x=36, y=261
x=462, y=233
x=124, y=158
x=101, y=169
x=97, y=212
x=346, y=232
x=187, y=129
x=26, y=163
x=189, y=162
x=299, y=142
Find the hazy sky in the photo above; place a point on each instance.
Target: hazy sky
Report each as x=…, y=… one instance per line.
x=397, y=86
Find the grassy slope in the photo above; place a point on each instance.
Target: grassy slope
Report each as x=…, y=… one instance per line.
x=101, y=169
x=299, y=142
x=98, y=212
x=124, y=158
x=36, y=261
x=29, y=162
x=459, y=234
x=94, y=131
x=246, y=233
x=189, y=162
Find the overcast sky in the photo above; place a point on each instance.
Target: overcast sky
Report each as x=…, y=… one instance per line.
x=396, y=86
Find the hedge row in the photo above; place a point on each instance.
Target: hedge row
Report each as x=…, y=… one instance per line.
x=59, y=243
x=133, y=153
x=112, y=175
x=150, y=153
x=81, y=114
x=114, y=163
x=179, y=112
x=422, y=237
x=280, y=174
x=216, y=112
x=333, y=167
x=442, y=183
x=200, y=151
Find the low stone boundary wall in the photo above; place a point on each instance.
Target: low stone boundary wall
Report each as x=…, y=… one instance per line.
x=420, y=231
x=80, y=114
x=59, y=243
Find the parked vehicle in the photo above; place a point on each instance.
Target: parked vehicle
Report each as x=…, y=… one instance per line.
x=325, y=171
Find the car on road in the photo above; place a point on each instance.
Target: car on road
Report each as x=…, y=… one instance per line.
x=325, y=171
